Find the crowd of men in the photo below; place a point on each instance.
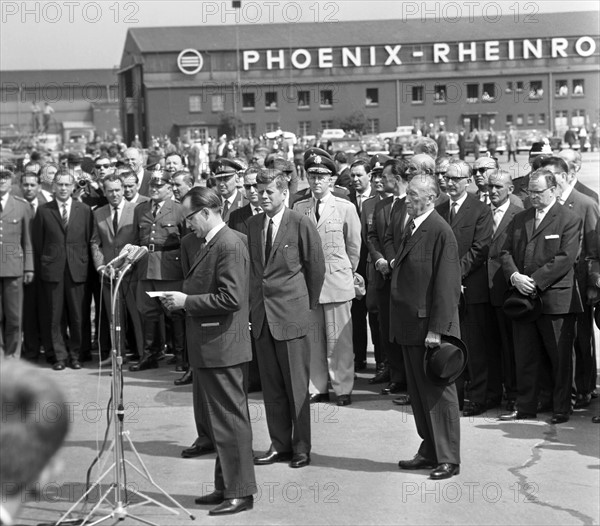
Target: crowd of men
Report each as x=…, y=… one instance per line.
x=402, y=246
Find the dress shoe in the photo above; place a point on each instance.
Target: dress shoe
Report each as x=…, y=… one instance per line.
x=300, y=460
x=393, y=388
x=473, y=409
x=59, y=366
x=147, y=362
x=444, y=471
x=510, y=405
x=381, y=377
x=272, y=456
x=216, y=497
x=402, y=400
x=75, y=364
x=317, y=398
x=596, y=419
x=187, y=378
x=181, y=368
x=344, y=400
x=582, y=401
x=418, y=462
x=360, y=366
x=559, y=418
x=231, y=506
x=517, y=415
x=51, y=360
x=197, y=450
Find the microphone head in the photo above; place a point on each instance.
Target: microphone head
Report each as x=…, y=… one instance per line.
x=138, y=254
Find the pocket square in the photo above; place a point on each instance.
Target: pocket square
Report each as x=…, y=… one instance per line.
x=552, y=236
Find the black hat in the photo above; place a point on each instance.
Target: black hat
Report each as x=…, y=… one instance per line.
x=519, y=307
x=538, y=148
x=445, y=363
x=322, y=164
x=161, y=178
x=154, y=162
x=225, y=167
x=313, y=150
x=377, y=162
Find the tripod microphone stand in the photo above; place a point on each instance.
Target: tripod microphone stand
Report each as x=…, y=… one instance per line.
x=120, y=508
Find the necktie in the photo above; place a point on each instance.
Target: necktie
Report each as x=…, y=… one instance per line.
x=410, y=228
x=497, y=216
x=257, y=210
x=484, y=197
x=116, y=220
x=155, y=210
x=65, y=217
x=269, y=241
x=539, y=216
x=225, y=207
x=453, y=211
x=317, y=214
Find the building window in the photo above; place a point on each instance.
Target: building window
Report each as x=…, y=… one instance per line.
x=372, y=97
x=530, y=119
x=535, y=89
x=271, y=126
x=472, y=92
x=520, y=120
x=417, y=94
x=578, y=118
x=509, y=120
x=509, y=87
x=195, y=103
x=561, y=119
x=326, y=125
x=519, y=86
x=249, y=129
x=218, y=103
x=578, y=88
x=373, y=125
x=489, y=92
x=271, y=100
x=248, y=101
x=561, y=88
x=542, y=119
x=304, y=128
x=326, y=100
x=303, y=100
x=440, y=93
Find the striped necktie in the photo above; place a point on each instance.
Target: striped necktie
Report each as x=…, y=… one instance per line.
x=65, y=217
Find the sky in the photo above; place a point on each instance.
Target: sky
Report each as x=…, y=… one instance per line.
x=80, y=34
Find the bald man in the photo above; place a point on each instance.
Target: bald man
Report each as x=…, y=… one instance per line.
x=421, y=163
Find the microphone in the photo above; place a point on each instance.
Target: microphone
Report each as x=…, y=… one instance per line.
x=125, y=252
x=133, y=257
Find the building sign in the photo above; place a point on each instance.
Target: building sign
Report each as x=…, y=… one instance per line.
x=190, y=61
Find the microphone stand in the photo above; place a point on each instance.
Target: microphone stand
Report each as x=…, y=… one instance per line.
x=119, y=509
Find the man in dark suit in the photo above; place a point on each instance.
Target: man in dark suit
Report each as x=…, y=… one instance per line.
x=425, y=291
x=226, y=173
x=113, y=229
x=539, y=257
x=573, y=158
x=215, y=299
x=135, y=162
x=17, y=264
x=503, y=211
x=286, y=275
x=471, y=222
x=159, y=225
x=587, y=210
x=61, y=234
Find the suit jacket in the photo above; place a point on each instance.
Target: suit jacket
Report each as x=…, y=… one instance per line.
x=496, y=280
x=365, y=264
x=547, y=255
x=145, y=184
x=339, y=229
x=58, y=249
x=586, y=190
x=190, y=246
x=239, y=202
x=216, y=309
x=472, y=227
x=395, y=230
x=238, y=219
x=106, y=244
x=164, y=231
x=587, y=210
x=425, y=288
x=374, y=235
x=286, y=287
x=15, y=238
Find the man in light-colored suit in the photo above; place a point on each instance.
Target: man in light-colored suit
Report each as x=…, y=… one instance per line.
x=286, y=276
x=215, y=300
x=17, y=264
x=113, y=229
x=339, y=228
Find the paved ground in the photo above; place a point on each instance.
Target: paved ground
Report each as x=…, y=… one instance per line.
x=512, y=473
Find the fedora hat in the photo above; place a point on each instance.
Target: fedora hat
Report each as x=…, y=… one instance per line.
x=522, y=308
x=445, y=363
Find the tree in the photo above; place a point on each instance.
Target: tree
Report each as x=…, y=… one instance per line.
x=229, y=125
x=356, y=122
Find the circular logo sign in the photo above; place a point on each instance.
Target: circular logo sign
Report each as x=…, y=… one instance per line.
x=190, y=61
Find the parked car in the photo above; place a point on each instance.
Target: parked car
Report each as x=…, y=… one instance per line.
x=374, y=144
x=525, y=138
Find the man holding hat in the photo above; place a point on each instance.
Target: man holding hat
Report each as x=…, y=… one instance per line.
x=339, y=228
x=226, y=174
x=425, y=292
x=159, y=224
x=539, y=258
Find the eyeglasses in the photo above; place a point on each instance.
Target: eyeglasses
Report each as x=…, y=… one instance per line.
x=248, y=186
x=537, y=192
x=189, y=217
x=440, y=174
x=453, y=179
x=158, y=185
x=481, y=170
x=318, y=177
x=103, y=166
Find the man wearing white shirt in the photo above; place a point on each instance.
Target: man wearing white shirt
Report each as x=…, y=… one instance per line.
x=130, y=188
